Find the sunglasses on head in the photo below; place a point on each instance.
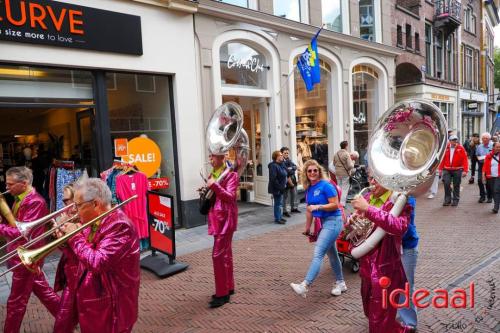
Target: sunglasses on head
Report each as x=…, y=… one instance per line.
x=312, y=170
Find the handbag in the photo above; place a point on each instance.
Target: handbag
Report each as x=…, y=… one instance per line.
x=317, y=229
x=204, y=203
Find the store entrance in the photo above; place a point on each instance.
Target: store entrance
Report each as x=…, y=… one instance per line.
x=43, y=138
x=253, y=180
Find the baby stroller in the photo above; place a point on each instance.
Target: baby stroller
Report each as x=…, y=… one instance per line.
x=357, y=182
x=344, y=250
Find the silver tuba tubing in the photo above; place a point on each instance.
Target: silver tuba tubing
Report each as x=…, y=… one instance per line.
x=405, y=149
x=225, y=132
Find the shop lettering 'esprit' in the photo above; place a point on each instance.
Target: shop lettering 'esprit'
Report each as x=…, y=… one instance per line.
x=40, y=16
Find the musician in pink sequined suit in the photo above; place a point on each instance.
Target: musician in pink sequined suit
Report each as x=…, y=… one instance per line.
x=222, y=222
x=107, y=293
x=66, y=280
x=29, y=206
x=384, y=260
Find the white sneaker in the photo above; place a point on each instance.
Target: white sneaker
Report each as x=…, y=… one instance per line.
x=338, y=288
x=300, y=288
x=430, y=196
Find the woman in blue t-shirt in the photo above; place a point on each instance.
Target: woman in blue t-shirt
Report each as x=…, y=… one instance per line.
x=322, y=202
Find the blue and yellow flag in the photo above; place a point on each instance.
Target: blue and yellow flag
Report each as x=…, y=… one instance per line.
x=308, y=64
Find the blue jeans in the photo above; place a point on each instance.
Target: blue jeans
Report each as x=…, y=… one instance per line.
x=331, y=227
x=278, y=207
x=409, y=260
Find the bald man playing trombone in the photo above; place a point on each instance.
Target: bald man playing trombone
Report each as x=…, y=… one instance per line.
x=108, y=275
x=28, y=206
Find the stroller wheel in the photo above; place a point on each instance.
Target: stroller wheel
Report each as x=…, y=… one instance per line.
x=355, y=266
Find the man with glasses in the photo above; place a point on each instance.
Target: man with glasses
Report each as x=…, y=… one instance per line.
x=107, y=295
x=28, y=206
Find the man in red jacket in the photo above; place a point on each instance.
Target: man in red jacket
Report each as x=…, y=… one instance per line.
x=491, y=172
x=453, y=167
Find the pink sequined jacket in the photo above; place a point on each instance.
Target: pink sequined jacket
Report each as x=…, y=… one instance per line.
x=223, y=216
x=107, y=294
x=32, y=208
x=385, y=259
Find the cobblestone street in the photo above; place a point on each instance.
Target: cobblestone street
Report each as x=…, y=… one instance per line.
x=458, y=245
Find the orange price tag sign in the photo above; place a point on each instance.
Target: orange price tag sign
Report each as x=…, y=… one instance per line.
x=121, y=147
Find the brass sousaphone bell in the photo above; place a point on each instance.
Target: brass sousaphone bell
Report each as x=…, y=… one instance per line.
x=405, y=149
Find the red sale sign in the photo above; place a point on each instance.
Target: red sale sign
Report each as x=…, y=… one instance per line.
x=160, y=216
x=158, y=183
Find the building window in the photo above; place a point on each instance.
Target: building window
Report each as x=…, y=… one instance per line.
x=409, y=43
x=447, y=110
x=242, y=66
x=241, y=3
x=473, y=24
x=469, y=20
x=399, y=36
x=365, y=105
x=449, y=58
x=476, y=70
x=290, y=9
x=438, y=53
x=311, y=117
x=428, y=49
x=468, y=68
x=332, y=14
x=417, y=42
x=367, y=20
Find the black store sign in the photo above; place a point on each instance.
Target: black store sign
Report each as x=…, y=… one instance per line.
x=65, y=25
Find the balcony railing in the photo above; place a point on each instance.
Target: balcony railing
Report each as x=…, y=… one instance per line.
x=447, y=9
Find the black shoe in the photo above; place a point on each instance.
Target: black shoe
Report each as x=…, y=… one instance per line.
x=295, y=210
x=481, y=200
x=455, y=203
x=287, y=214
x=231, y=292
x=471, y=180
x=283, y=221
x=446, y=203
x=494, y=211
x=218, y=301
x=489, y=200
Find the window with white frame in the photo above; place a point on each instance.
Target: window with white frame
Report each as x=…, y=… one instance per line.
x=367, y=19
x=332, y=14
x=291, y=9
x=449, y=57
x=469, y=20
x=242, y=66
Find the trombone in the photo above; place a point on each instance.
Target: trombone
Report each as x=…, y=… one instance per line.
x=26, y=227
x=31, y=257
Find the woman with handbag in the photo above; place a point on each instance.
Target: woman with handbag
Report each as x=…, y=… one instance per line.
x=344, y=167
x=322, y=202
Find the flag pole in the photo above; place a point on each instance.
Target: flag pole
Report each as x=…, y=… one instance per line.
x=294, y=66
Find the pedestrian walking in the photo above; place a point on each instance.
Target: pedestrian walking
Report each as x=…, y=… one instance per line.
x=491, y=172
x=482, y=150
x=291, y=183
x=277, y=185
x=344, y=166
x=474, y=142
x=434, y=187
x=453, y=167
x=409, y=258
x=322, y=203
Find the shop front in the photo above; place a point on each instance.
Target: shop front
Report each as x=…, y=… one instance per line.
x=69, y=95
x=473, y=109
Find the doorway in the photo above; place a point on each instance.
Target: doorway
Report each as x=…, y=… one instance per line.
x=255, y=176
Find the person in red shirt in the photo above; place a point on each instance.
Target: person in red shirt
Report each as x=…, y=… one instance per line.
x=491, y=172
x=453, y=167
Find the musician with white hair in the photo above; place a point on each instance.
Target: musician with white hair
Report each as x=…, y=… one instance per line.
x=28, y=206
x=107, y=294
